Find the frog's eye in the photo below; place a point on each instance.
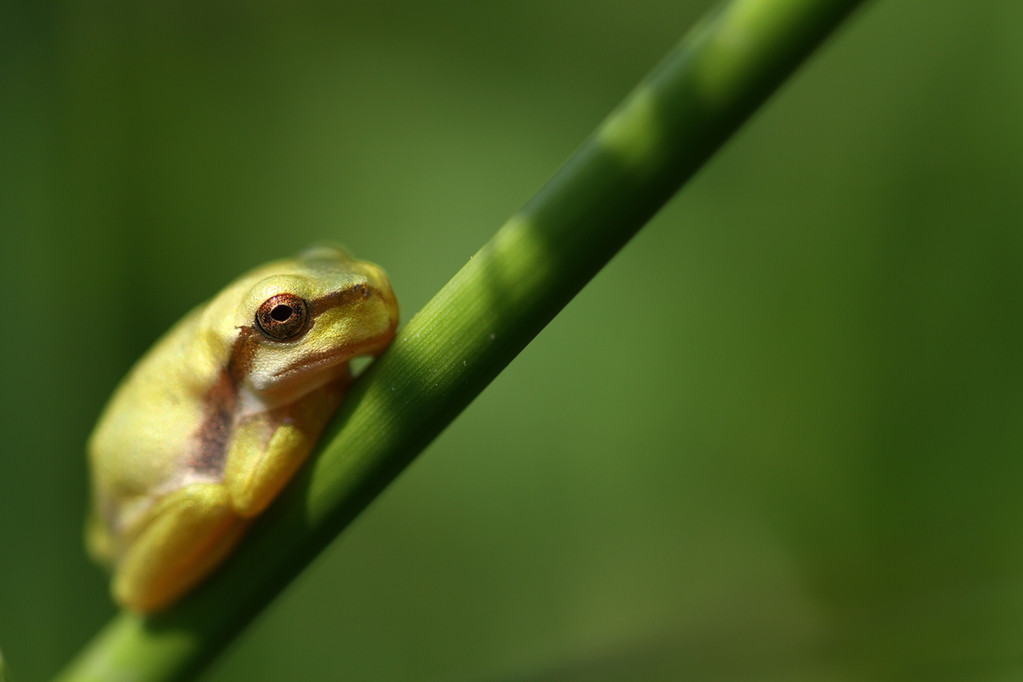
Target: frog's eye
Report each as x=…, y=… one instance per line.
x=282, y=316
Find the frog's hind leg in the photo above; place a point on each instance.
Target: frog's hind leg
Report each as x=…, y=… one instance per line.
x=185, y=536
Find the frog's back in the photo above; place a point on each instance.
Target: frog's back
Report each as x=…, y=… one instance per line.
x=144, y=438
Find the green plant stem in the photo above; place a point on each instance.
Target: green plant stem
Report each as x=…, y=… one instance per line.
x=642, y=153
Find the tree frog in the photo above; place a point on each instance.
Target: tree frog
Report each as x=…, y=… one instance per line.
x=215, y=418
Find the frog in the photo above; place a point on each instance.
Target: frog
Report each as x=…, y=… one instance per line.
x=212, y=422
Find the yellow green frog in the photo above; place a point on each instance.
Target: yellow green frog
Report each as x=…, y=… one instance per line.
x=216, y=417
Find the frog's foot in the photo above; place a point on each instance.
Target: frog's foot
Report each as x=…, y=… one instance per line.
x=187, y=534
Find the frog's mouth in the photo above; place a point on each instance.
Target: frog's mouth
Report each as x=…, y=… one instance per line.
x=314, y=371
x=327, y=360
x=329, y=365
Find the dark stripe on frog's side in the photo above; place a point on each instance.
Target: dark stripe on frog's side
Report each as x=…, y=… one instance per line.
x=214, y=434
x=213, y=437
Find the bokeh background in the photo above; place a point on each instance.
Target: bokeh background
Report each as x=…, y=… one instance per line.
x=793, y=451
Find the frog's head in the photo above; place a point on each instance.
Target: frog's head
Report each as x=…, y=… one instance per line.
x=303, y=319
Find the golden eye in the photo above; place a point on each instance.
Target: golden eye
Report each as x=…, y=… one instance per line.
x=282, y=316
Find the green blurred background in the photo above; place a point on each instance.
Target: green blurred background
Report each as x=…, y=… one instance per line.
x=778, y=438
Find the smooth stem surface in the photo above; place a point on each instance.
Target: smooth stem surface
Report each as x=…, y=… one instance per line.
x=663, y=132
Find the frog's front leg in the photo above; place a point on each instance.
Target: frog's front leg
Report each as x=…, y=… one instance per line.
x=185, y=535
x=258, y=465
